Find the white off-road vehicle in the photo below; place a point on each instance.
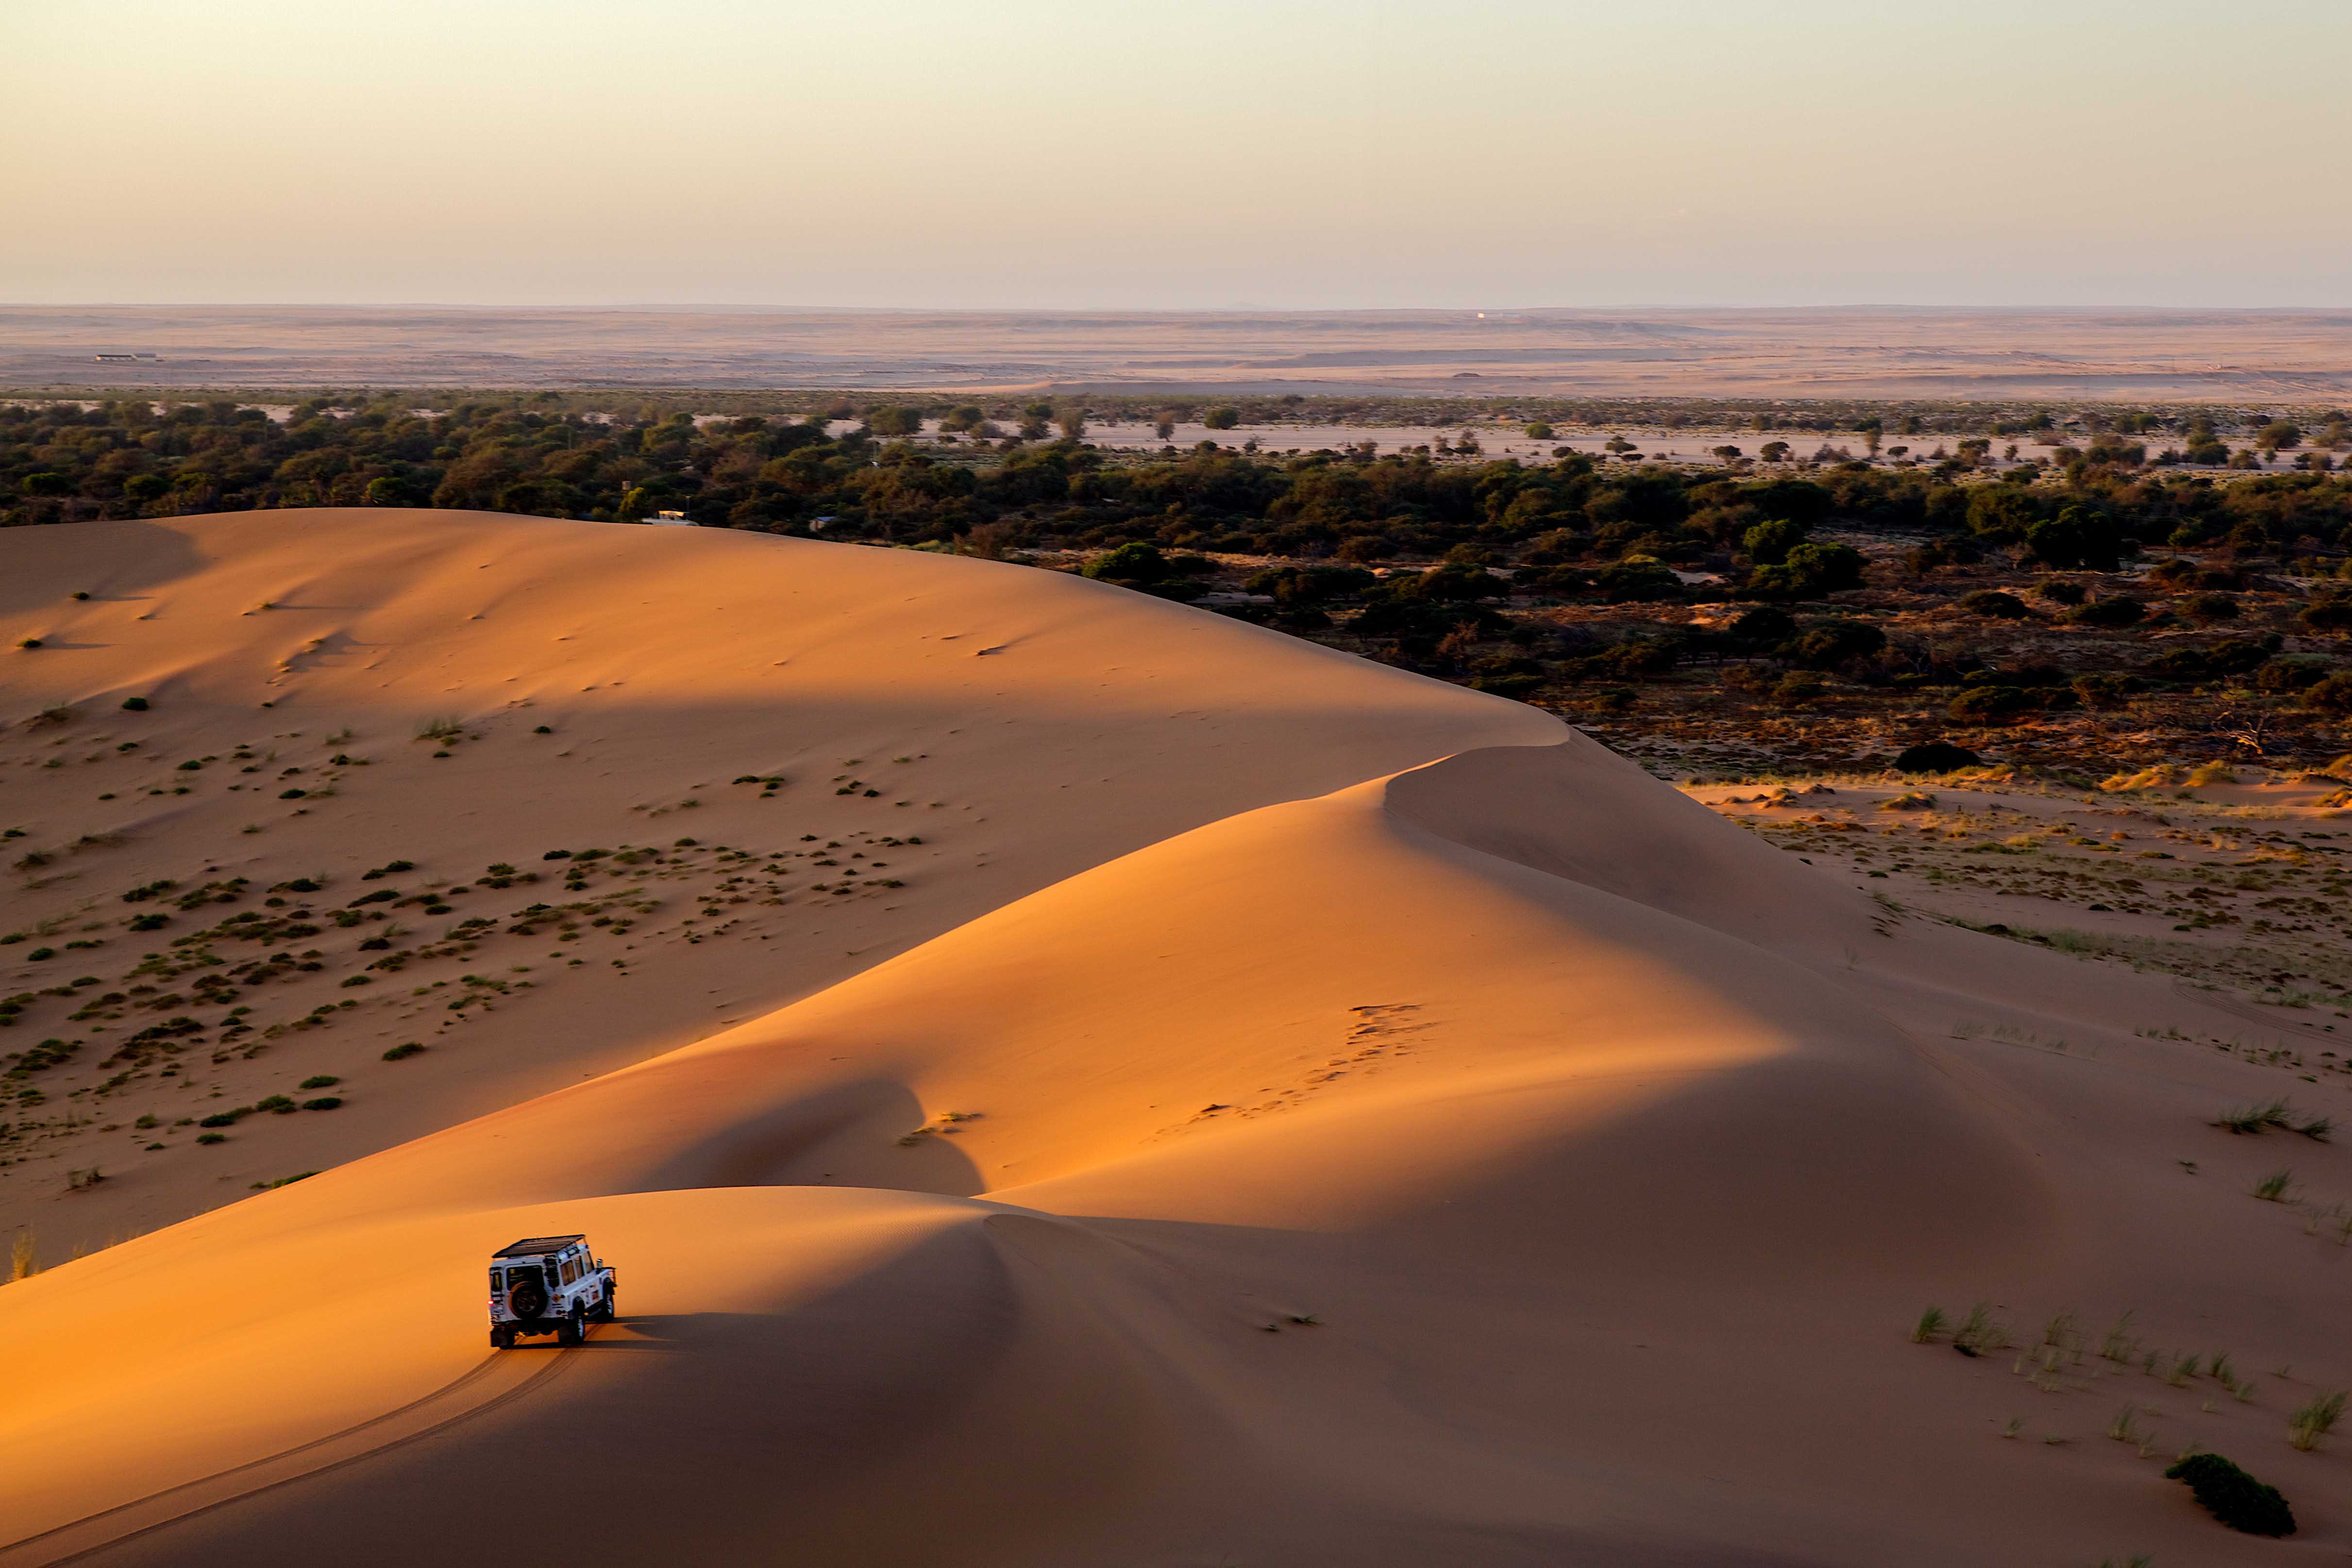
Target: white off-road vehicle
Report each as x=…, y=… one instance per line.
x=549, y=1284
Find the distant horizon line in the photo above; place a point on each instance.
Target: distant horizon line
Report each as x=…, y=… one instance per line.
x=695, y=307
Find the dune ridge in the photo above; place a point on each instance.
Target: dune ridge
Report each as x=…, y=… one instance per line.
x=1482, y=1155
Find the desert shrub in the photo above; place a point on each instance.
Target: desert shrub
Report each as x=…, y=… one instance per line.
x=2207, y=608
x=2060, y=591
x=1993, y=604
x=1810, y=573
x=1950, y=551
x=1222, y=418
x=2233, y=1497
x=1134, y=561
x=1637, y=579
x=2332, y=695
x=2289, y=674
x=2180, y=664
x=2117, y=610
x=1764, y=623
x=1454, y=580
x=1796, y=689
x=1538, y=429
x=2075, y=540
x=1826, y=645
x=1140, y=566
x=403, y=1053
x=1768, y=543
x=323, y=1102
x=2102, y=689
x=1989, y=705
x=2240, y=655
x=2327, y=617
x=1936, y=757
x=135, y=704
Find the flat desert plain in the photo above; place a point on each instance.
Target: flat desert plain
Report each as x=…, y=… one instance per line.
x=2271, y=355
x=1066, y=1079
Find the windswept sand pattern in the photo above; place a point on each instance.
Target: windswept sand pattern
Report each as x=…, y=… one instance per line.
x=1291, y=1112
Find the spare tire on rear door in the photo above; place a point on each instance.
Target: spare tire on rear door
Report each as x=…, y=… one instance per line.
x=527, y=1297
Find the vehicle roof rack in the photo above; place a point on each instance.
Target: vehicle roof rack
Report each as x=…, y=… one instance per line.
x=532, y=1246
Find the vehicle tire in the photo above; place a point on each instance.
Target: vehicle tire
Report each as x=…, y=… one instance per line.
x=502, y=1338
x=609, y=1309
x=569, y=1329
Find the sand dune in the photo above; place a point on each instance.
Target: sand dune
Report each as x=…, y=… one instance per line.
x=1382, y=1128
x=1023, y=725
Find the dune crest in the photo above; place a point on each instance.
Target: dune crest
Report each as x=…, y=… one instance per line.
x=1484, y=1156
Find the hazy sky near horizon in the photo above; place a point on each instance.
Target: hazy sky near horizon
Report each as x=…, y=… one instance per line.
x=1274, y=153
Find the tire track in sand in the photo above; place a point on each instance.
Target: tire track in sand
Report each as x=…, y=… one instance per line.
x=501, y=1377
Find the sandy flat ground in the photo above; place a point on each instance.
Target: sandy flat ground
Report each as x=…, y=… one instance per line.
x=2292, y=357
x=1289, y=1111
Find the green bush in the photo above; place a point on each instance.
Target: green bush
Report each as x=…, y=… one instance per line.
x=2332, y=695
x=1993, y=604
x=2233, y=1497
x=403, y=1053
x=1764, y=623
x=2329, y=615
x=1637, y=579
x=1810, y=573
x=1989, y=705
x=1826, y=645
x=2120, y=609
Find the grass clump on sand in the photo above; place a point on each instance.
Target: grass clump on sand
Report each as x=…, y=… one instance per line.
x=2260, y=1116
x=1979, y=1331
x=1930, y=1324
x=2253, y=1118
x=404, y=1051
x=2314, y=1421
x=2233, y=1497
x=2274, y=1187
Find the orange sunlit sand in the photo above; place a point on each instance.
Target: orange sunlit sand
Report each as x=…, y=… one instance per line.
x=1078, y=1080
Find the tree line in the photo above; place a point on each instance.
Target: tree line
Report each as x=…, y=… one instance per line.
x=1594, y=526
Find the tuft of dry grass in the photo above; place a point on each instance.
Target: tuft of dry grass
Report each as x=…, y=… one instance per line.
x=2314, y=1421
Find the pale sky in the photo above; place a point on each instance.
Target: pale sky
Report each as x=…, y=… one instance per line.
x=1097, y=153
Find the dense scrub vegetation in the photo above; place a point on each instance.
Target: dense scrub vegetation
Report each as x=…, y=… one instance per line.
x=1830, y=610
x=124, y=459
